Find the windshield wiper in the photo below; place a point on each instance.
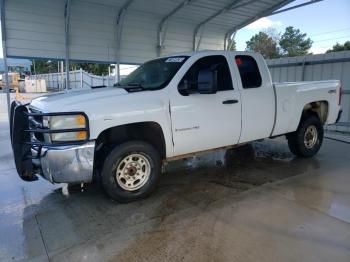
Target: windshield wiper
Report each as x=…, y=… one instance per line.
x=135, y=84
x=132, y=87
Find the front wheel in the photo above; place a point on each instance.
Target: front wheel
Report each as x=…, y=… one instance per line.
x=131, y=171
x=306, y=141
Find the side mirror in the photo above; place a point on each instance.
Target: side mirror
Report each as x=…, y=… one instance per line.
x=207, y=81
x=184, y=87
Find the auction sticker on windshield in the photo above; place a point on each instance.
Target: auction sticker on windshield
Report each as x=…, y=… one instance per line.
x=174, y=60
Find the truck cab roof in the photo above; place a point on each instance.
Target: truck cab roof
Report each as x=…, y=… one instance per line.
x=210, y=52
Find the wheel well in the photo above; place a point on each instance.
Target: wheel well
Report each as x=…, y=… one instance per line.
x=150, y=132
x=318, y=108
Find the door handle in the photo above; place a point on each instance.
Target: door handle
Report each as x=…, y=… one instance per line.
x=230, y=101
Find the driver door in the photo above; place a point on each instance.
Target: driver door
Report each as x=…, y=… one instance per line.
x=206, y=121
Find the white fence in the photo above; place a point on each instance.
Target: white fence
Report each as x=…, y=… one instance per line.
x=77, y=79
x=317, y=67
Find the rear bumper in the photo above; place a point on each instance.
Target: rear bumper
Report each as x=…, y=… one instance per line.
x=66, y=164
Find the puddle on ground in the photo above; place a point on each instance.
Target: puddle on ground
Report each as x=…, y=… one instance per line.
x=242, y=167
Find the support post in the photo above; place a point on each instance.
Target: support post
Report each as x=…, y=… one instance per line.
x=118, y=71
x=160, y=37
x=232, y=37
x=66, y=38
x=81, y=77
x=303, y=69
x=109, y=75
x=62, y=78
x=120, y=23
x=195, y=44
x=4, y=53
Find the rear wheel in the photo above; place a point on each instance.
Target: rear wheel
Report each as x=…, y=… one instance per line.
x=131, y=171
x=306, y=141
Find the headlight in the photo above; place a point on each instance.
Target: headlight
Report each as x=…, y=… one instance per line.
x=69, y=136
x=61, y=122
x=67, y=122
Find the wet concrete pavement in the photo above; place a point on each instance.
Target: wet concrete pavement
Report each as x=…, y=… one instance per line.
x=255, y=203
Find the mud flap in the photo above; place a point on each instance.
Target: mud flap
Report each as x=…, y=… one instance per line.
x=21, y=141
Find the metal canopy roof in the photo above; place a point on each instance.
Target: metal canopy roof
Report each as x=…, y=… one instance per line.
x=124, y=31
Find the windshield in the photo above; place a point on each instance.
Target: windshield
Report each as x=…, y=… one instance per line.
x=155, y=74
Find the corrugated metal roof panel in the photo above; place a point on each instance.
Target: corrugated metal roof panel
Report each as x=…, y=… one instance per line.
x=37, y=28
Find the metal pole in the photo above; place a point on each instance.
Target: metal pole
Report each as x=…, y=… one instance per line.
x=232, y=38
x=115, y=74
x=303, y=69
x=227, y=8
x=62, y=77
x=109, y=74
x=81, y=77
x=119, y=24
x=34, y=66
x=75, y=78
x=118, y=72
x=66, y=42
x=160, y=37
x=4, y=53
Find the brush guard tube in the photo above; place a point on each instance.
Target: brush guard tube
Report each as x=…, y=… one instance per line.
x=61, y=162
x=21, y=142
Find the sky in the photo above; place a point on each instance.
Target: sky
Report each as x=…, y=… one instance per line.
x=325, y=22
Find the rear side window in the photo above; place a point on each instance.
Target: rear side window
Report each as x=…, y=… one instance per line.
x=249, y=71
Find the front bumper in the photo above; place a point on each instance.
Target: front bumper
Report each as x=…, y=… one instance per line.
x=66, y=164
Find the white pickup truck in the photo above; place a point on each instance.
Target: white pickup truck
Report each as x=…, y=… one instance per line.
x=168, y=108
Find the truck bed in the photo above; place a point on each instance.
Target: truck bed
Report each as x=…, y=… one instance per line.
x=291, y=97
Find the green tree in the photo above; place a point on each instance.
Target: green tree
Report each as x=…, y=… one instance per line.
x=338, y=47
x=43, y=66
x=294, y=43
x=48, y=66
x=264, y=44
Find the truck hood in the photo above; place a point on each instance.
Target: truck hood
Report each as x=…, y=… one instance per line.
x=75, y=100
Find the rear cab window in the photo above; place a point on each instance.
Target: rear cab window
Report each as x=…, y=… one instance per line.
x=248, y=71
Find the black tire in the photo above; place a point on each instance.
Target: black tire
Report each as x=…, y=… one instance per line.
x=117, y=159
x=296, y=142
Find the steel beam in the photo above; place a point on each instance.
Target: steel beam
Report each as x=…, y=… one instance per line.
x=4, y=52
x=66, y=38
x=120, y=24
x=264, y=13
x=227, y=8
x=296, y=6
x=165, y=19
